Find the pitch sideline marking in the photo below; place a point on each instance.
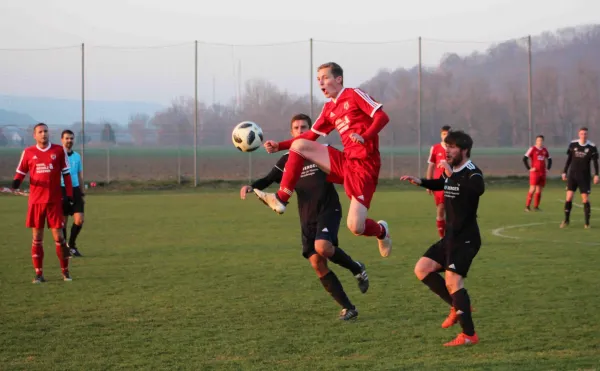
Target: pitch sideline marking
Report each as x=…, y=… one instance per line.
x=498, y=233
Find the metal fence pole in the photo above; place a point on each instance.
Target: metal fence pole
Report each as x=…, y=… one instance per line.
x=311, y=79
x=82, y=139
x=419, y=98
x=196, y=112
x=530, y=90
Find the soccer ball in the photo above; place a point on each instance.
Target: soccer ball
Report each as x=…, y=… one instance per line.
x=247, y=136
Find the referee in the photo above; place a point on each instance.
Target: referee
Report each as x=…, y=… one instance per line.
x=76, y=208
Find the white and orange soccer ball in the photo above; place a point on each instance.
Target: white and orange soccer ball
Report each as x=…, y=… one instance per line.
x=247, y=136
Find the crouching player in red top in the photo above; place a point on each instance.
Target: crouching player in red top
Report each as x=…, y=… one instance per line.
x=358, y=119
x=45, y=162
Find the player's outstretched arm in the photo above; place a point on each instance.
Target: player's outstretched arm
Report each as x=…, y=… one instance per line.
x=433, y=184
x=274, y=176
x=286, y=144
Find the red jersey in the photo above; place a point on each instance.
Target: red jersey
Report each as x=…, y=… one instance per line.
x=538, y=158
x=45, y=167
x=350, y=112
x=437, y=153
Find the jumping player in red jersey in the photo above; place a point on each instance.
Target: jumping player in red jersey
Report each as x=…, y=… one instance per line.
x=537, y=171
x=358, y=119
x=435, y=169
x=45, y=162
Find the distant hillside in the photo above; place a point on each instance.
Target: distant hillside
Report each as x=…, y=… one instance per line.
x=15, y=118
x=66, y=111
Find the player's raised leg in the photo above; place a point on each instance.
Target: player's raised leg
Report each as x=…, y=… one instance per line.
x=427, y=269
x=300, y=150
x=360, y=225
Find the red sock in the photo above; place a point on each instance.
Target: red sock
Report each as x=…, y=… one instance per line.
x=538, y=197
x=441, y=227
x=372, y=228
x=37, y=256
x=293, y=170
x=529, y=196
x=64, y=263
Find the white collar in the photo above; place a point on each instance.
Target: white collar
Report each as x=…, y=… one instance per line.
x=44, y=149
x=454, y=170
x=334, y=100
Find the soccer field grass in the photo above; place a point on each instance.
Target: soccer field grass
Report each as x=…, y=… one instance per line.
x=207, y=281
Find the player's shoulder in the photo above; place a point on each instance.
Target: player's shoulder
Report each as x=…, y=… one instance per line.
x=470, y=169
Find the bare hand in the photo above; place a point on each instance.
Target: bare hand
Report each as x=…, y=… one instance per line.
x=245, y=190
x=356, y=138
x=564, y=176
x=271, y=146
x=596, y=179
x=533, y=170
x=446, y=166
x=412, y=179
x=430, y=192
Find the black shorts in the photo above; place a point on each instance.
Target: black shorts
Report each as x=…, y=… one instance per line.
x=455, y=256
x=326, y=227
x=582, y=182
x=78, y=202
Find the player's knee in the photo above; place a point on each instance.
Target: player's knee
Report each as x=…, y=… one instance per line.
x=422, y=270
x=299, y=145
x=356, y=227
x=324, y=248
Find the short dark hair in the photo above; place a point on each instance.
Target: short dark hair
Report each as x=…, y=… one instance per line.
x=303, y=117
x=446, y=128
x=336, y=69
x=540, y=136
x=66, y=131
x=583, y=128
x=39, y=124
x=460, y=139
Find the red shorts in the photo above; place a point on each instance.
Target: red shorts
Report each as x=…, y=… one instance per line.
x=359, y=177
x=39, y=214
x=537, y=179
x=438, y=197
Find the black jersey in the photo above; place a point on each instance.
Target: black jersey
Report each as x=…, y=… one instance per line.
x=315, y=194
x=461, y=200
x=579, y=158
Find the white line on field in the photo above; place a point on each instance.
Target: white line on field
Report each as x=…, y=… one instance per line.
x=498, y=233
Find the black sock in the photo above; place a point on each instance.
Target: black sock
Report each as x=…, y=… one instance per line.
x=333, y=286
x=587, y=209
x=436, y=283
x=462, y=303
x=75, y=229
x=342, y=259
x=568, y=206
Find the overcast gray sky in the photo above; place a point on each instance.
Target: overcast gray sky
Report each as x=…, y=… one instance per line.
x=160, y=74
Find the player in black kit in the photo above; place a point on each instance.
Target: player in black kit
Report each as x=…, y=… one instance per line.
x=579, y=155
x=462, y=183
x=320, y=214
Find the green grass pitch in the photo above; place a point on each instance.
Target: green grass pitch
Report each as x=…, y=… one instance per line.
x=205, y=281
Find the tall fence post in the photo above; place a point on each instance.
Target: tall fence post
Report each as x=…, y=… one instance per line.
x=311, y=79
x=530, y=90
x=419, y=99
x=82, y=139
x=196, y=112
